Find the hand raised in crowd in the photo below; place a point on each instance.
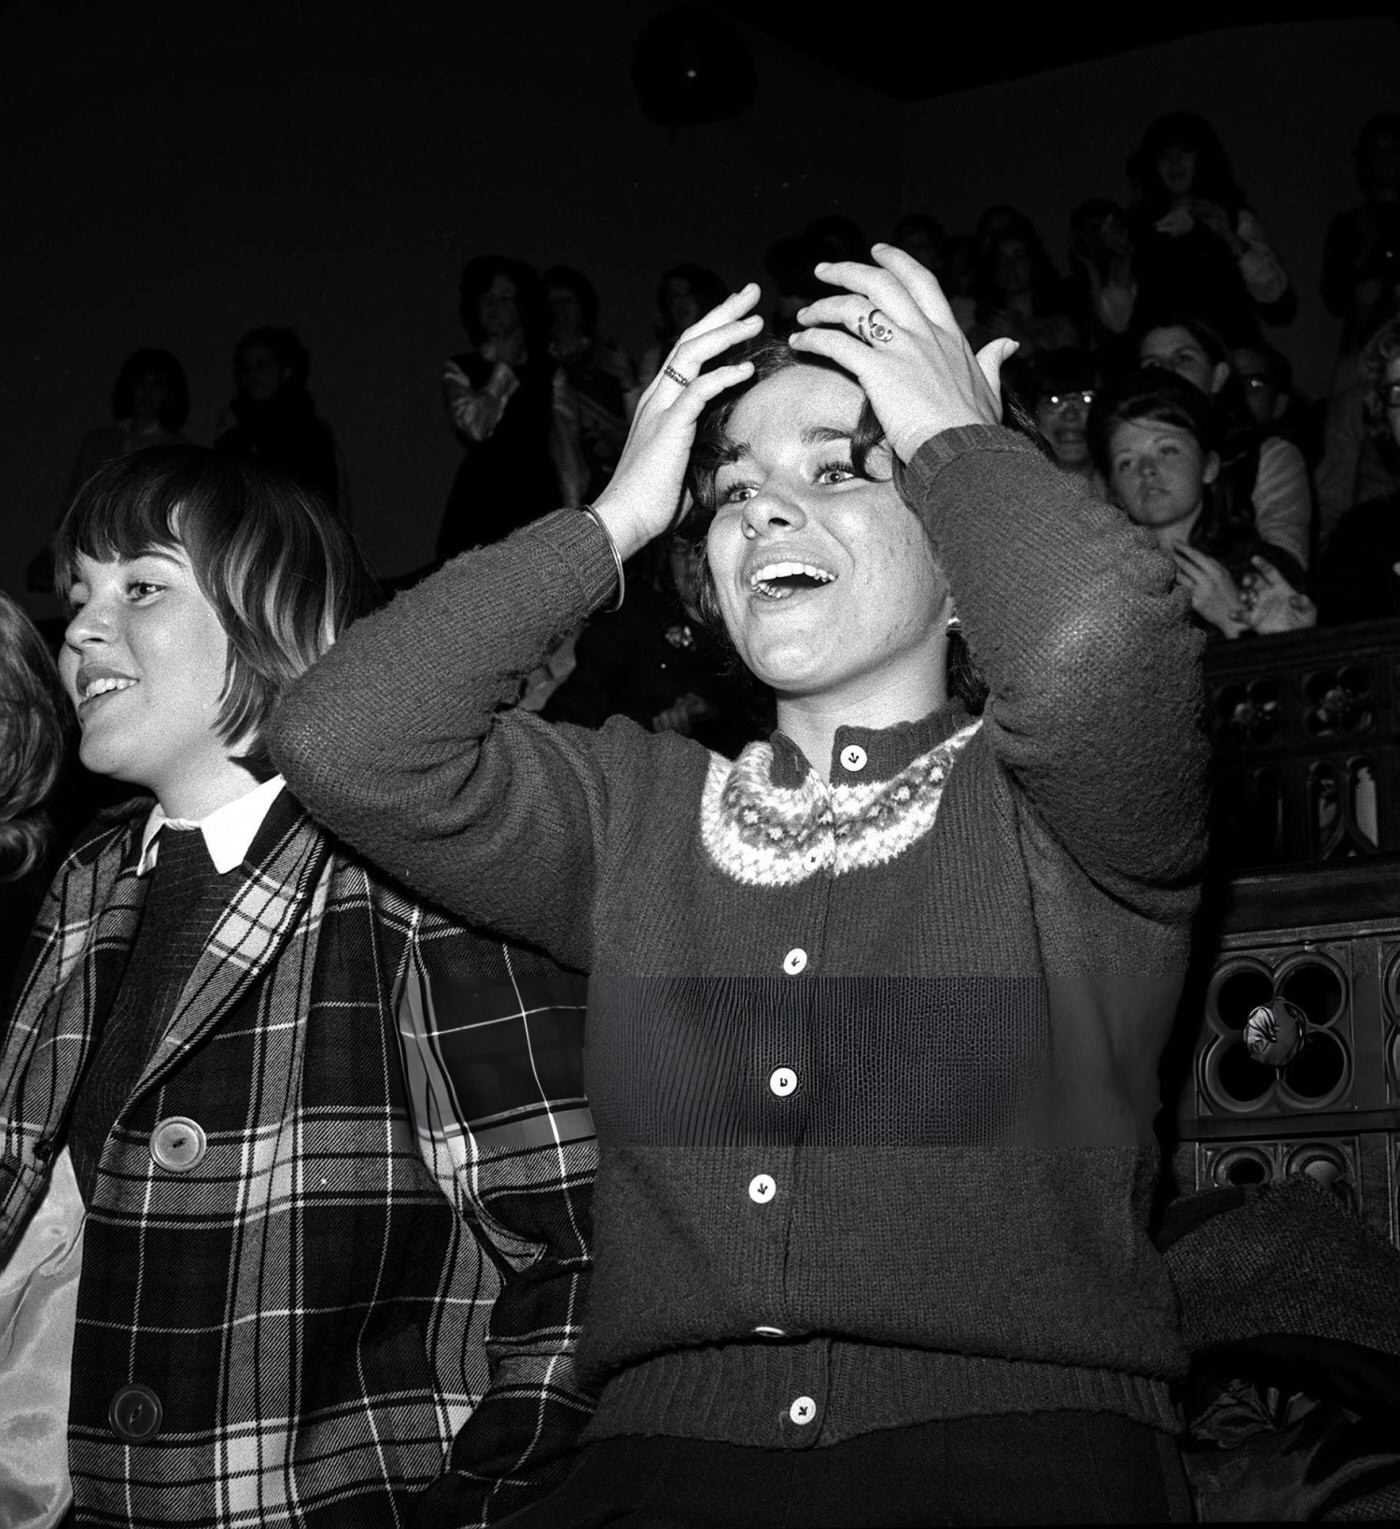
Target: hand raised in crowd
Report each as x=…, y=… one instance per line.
x=1215, y=597
x=643, y=497
x=895, y=332
x=1271, y=604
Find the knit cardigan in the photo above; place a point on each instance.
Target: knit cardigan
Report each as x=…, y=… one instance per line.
x=873, y=1064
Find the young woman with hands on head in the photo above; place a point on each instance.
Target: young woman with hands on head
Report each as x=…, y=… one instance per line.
x=875, y=1010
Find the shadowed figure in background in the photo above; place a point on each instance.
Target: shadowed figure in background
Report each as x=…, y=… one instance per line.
x=274, y=420
x=510, y=403
x=150, y=404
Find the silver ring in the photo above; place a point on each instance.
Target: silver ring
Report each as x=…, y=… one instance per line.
x=874, y=328
x=676, y=376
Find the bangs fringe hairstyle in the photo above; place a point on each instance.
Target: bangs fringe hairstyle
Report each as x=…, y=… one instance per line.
x=1225, y=526
x=36, y=728
x=713, y=449
x=282, y=574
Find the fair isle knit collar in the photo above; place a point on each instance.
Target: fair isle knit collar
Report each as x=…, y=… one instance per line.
x=768, y=818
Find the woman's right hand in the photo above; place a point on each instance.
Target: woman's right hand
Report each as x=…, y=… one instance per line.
x=643, y=496
x=1215, y=597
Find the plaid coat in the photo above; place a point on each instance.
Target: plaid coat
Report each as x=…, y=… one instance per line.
x=395, y=1186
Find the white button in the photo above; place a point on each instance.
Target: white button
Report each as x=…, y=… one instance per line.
x=794, y=961
x=853, y=757
x=802, y=1411
x=178, y=1144
x=762, y=1189
x=769, y=1332
x=783, y=1081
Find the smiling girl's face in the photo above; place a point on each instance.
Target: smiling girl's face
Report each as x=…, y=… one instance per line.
x=826, y=580
x=144, y=663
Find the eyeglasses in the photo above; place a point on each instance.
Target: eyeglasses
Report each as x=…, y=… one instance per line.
x=1059, y=402
x=1390, y=394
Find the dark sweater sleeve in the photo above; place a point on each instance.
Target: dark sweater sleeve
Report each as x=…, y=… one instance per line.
x=1075, y=620
x=401, y=742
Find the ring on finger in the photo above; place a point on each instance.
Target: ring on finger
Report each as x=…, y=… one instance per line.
x=675, y=376
x=874, y=327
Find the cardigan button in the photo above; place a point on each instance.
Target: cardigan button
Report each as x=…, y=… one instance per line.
x=794, y=961
x=134, y=1414
x=783, y=1081
x=178, y=1144
x=762, y=1189
x=803, y=1411
x=853, y=758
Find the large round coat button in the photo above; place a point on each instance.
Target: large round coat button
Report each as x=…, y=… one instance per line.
x=134, y=1414
x=178, y=1144
x=853, y=757
x=783, y=1081
x=795, y=961
x=802, y=1411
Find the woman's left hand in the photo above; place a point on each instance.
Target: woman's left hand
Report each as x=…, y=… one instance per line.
x=897, y=335
x=1215, y=597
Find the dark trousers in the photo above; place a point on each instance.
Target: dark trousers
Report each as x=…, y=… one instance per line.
x=1043, y=1468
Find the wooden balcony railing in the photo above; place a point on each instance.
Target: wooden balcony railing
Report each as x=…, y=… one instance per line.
x=1305, y=731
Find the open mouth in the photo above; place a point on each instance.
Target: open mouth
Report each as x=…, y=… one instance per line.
x=108, y=685
x=779, y=581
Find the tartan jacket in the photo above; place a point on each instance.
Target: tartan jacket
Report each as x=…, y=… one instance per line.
x=385, y=1243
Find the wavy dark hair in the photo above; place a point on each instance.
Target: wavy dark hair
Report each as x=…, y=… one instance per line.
x=36, y=732
x=475, y=281
x=714, y=448
x=1214, y=178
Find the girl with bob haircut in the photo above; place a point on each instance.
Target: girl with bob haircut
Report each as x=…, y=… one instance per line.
x=1157, y=440
x=876, y=1008
x=237, y=1160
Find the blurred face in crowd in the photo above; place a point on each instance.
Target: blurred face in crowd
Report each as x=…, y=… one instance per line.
x=1262, y=393
x=144, y=663
x=826, y=581
x=1176, y=169
x=680, y=305
x=1392, y=397
x=1379, y=162
x=150, y=397
x=1013, y=268
x=1178, y=350
x=1158, y=473
x=257, y=373
x=497, y=308
x=565, y=315
x=1062, y=418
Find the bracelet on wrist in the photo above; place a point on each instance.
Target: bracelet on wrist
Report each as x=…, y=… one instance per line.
x=593, y=515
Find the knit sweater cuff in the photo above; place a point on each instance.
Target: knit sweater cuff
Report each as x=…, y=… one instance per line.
x=949, y=445
x=582, y=546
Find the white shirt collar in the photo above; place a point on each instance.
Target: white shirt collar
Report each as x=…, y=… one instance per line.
x=228, y=830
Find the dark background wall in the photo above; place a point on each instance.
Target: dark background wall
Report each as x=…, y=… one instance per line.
x=179, y=173
x=187, y=171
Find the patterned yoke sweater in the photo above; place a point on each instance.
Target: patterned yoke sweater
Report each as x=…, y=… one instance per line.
x=873, y=1063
